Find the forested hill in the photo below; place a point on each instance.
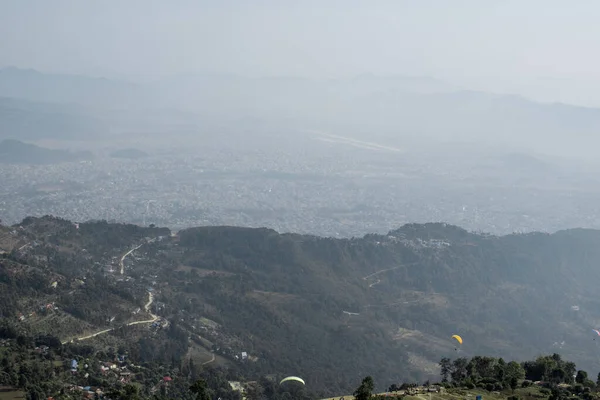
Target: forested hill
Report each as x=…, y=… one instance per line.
x=329, y=310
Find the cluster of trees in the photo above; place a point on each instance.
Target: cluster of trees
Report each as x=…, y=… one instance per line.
x=21, y=367
x=42, y=373
x=212, y=384
x=558, y=379
x=169, y=344
x=495, y=374
x=100, y=236
x=97, y=237
x=270, y=292
x=486, y=372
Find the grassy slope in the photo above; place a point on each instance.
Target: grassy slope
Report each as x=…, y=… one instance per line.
x=281, y=297
x=460, y=394
x=7, y=393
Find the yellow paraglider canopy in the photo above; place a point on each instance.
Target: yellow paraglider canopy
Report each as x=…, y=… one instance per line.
x=458, y=338
x=292, y=378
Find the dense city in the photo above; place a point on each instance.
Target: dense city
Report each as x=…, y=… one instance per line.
x=309, y=186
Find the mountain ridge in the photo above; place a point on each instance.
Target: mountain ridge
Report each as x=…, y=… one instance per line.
x=17, y=152
x=392, y=110
x=282, y=298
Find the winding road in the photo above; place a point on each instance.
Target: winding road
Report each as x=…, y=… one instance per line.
x=209, y=361
x=375, y=283
x=146, y=307
x=385, y=270
x=121, y=263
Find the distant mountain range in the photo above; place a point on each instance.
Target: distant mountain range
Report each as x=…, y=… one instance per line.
x=17, y=152
x=33, y=85
x=33, y=120
x=394, y=110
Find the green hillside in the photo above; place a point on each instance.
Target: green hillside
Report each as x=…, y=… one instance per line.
x=329, y=310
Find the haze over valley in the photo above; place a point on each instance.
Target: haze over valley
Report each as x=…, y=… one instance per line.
x=267, y=200
x=342, y=165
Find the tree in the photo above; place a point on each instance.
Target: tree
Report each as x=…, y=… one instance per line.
x=269, y=387
x=459, y=369
x=556, y=357
x=500, y=369
x=481, y=367
x=23, y=381
x=557, y=394
x=254, y=392
x=200, y=389
x=35, y=394
x=445, y=368
x=365, y=390
x=513, y=383
x=128, y=392
x=558, y=375
x=570, y=369
x=513, y=373
x=581, y=376
x=131, y=392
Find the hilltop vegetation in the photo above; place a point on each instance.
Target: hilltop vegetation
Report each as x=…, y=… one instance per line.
x=266, y=304
x=546, y=377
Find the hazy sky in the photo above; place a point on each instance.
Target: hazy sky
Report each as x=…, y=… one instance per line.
x=546, y=49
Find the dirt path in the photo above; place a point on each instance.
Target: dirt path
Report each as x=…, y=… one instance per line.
x=209, y=361
x=146, y=308
x=148, y=321
x=121, y=263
